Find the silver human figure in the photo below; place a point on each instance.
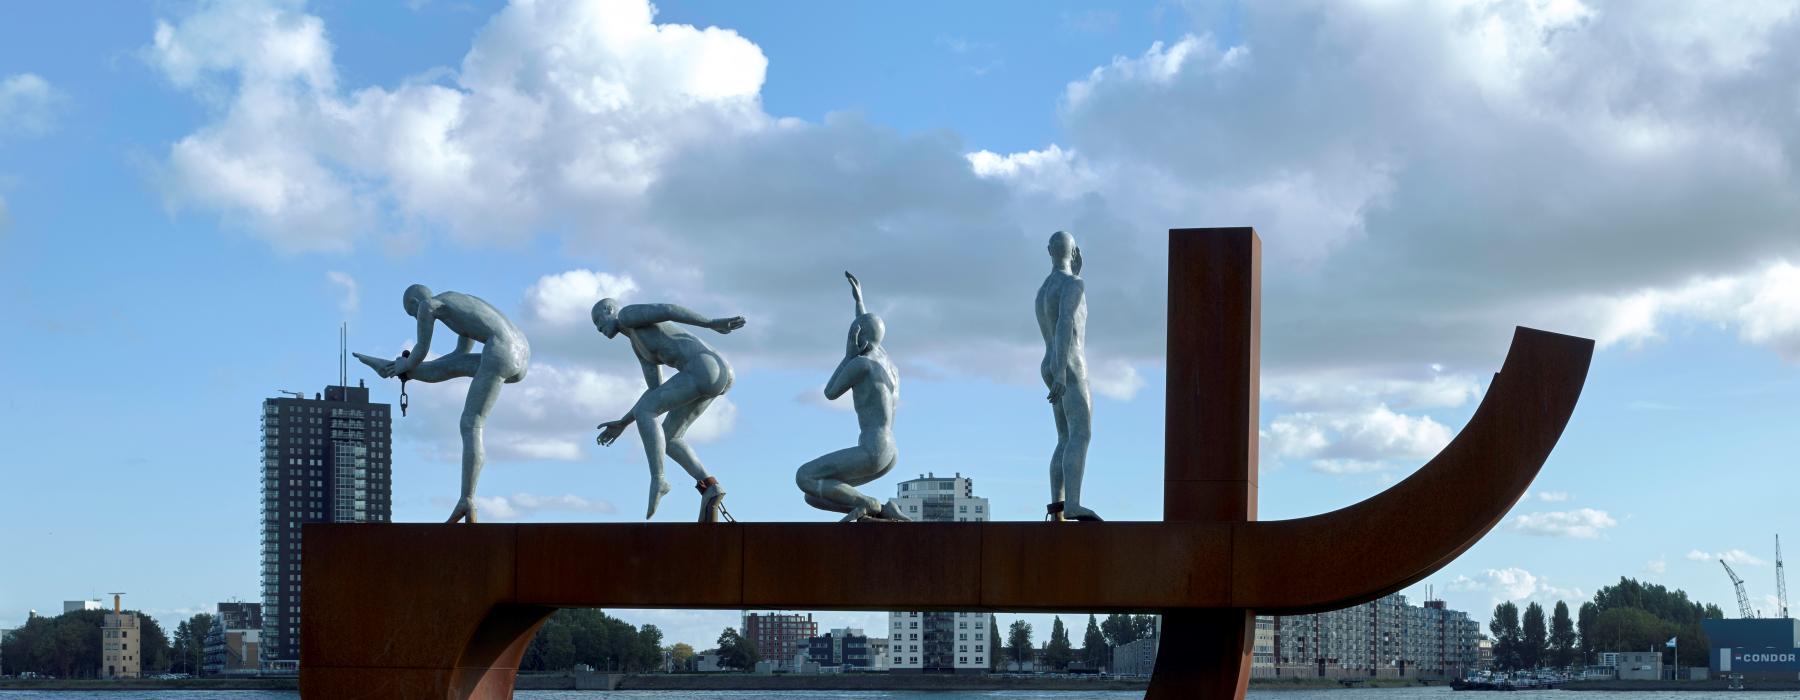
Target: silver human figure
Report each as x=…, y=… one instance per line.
x=701, y=376
x=830, y=482
x=505, y=355
x=1062, y=318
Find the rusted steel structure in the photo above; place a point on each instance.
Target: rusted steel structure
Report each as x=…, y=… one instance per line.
x=435, y=611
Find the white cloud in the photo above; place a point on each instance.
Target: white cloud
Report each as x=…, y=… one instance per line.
x=1354, y=441
x=28, y=106
x=1581, y=523
x=1553, y=496
x=1763, y=306
x=1657, y=566
x=567, y=299
x=351, y=299
x=523, y=506
x=1516, y=584
x=1732, y=556
x=1052, y=170
x=1465, y=141
x=1115, y=379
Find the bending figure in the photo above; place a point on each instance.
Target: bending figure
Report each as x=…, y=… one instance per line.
x=504, y=357
x=830, y=481
x=701, y=376
x=1062, y=318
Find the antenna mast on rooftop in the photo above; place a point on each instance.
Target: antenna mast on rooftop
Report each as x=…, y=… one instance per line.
x=343, y=354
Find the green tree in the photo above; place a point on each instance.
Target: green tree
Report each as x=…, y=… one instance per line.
x=1536, y=639
x=648, y=649
x=1563, y=650
x=736, y=651
x=683, y=656
x=1018, y=642
x=1584, y=629
x=1119, y=630
x=1631, y=615
x=1093, y=645
x=1058, y=652
x=1507, y=636
x=154, y=645
x=995, y=657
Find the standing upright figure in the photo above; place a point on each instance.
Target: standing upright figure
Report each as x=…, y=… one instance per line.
x=830, y=481
x=503, y=359
x=701, y=376
x=1062, y=318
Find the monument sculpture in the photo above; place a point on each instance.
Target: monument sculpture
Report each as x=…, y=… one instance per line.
x=830, y=482
x=1062, y=319
x=701, y=375
x=504, y=357
x=426, y=611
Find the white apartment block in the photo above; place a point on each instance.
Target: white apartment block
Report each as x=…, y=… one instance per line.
x=940, y=642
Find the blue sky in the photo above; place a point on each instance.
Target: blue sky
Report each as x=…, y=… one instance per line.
x=194, y=195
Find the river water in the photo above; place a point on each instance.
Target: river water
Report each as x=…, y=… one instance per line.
x=1332, y=694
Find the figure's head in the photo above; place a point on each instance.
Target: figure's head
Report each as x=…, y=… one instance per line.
x=414, y=298
x=606, y=317
x=1063, y=248
x=866, y=332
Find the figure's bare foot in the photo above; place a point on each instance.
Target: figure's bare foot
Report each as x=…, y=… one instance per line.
x=856, y=515
x=383, y=367
x=465, y=509
x=1081, y=513
x=891, y=512
x=712, y=500
x=658, y=488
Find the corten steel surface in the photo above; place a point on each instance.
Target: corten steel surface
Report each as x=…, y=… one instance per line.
x=445, y=611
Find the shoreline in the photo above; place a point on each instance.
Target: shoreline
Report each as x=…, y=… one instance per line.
x=722, y=682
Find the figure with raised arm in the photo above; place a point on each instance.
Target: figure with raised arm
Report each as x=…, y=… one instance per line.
x=701, y=375
x=503, y=359
x=1062, y=318
x=830, y=482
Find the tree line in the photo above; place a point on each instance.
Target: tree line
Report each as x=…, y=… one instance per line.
x=1097, y=643
x=1627, y=616
x=585, y=636
x=68, y=645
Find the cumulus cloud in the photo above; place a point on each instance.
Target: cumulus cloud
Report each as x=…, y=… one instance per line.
x=1553, y=496
x=1581, y=523
x=523, y=506
x=1354, y=441
x=1433, y=172
x=567, y=299
x=350, y=298
x=1515, y=584
x=1731, y=556
x=28, y=106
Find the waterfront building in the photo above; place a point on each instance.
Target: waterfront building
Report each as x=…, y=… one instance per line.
x=1383, y=638
x=1136, y=658
x=1641, y=665
x=324, y=460
x=233, y=645
x=120, y=644
x=780, y=638
x=878, y=654
x=1755, y=648
x=940, y=642
x=70, y=606
x=846, y=648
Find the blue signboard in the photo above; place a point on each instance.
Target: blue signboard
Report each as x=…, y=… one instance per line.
x=1766, y=660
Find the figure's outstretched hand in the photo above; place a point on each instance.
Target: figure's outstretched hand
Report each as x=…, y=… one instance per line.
x=726, y=325
x=610, y=431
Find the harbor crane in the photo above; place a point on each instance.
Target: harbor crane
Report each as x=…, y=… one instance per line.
x=1780, y=579
x=1744, y=610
